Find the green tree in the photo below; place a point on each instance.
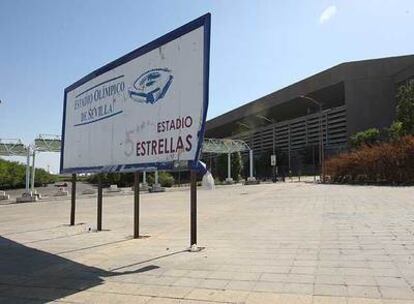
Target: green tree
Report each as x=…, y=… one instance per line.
x=395, y=131
x=222, y=166
x=13, y=175
x=405, y=107
x=164, y=178
x=236, y=166
x=42, y=177
x=368, y=137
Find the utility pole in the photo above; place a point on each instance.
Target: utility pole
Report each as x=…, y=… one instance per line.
x=273, y=122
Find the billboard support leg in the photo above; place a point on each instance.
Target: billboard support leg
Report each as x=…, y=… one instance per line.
x=73, y=201
x=136, y=205
x=193, y=209
x=99, y=217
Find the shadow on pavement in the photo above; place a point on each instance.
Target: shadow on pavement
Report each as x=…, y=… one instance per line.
x=30, y=274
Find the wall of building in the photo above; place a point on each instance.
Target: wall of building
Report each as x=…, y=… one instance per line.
x=370, y=103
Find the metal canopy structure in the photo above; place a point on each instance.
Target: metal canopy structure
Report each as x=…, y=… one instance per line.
x=224, y=145
x=15, y=147
x=228, y=146
x=47, y=143
x=12, y=147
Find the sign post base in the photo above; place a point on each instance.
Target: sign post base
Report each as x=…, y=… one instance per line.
x=229, y=181
x=4, y=196
x=252, y=181
x=156, y=188
x=194, y=248
x=28, y=197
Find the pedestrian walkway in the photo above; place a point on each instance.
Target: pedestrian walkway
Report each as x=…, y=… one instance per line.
x=268, y=243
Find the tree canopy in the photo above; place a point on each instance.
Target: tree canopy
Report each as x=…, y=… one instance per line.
x=13, y=175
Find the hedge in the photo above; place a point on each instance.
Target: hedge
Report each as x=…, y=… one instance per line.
x=13, y=175
x=387, y=162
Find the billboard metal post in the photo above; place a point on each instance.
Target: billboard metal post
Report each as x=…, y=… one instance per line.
x=99, y=216
x=193, y=209
x=136, y=205
x=73, y=201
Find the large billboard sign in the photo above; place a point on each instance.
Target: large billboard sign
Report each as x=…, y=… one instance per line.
x=144, y=111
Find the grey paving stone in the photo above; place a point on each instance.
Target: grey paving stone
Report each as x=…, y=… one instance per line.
x=241, y=285
x=363, y=291
x=360, y=280
x=330, y=290
x=391, y=282
x=214, y=284
x=330, y=279
x=300, y=242
x=298, y=288
x=397, y=293
x=269, y=287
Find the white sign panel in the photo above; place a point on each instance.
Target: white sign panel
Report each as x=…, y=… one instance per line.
x=273, y=160
x=144, y=111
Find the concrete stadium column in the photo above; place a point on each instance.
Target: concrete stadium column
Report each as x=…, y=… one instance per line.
x=229, y=180
x=156, y=177
x=251, y=180
x=251, y=162
x=144, y=184
x=28, y=171
x=229, y=166
x=156, y=187
x=33, y=171
x=27, y=196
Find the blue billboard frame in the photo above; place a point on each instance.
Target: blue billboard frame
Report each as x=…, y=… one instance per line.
x=203, y=21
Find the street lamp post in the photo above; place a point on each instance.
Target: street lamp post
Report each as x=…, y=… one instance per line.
x=273, y=143
x=321, y=145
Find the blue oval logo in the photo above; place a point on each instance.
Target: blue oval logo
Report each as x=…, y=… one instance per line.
x=151, y=86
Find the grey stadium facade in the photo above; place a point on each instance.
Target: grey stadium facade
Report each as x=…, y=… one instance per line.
x=355, y=96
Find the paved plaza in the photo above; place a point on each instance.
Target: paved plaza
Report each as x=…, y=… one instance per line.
x=268, y=243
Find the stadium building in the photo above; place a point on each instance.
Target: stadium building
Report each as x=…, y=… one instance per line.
x=354, y=96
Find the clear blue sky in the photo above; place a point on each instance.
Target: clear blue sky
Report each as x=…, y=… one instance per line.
x=257, y=47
